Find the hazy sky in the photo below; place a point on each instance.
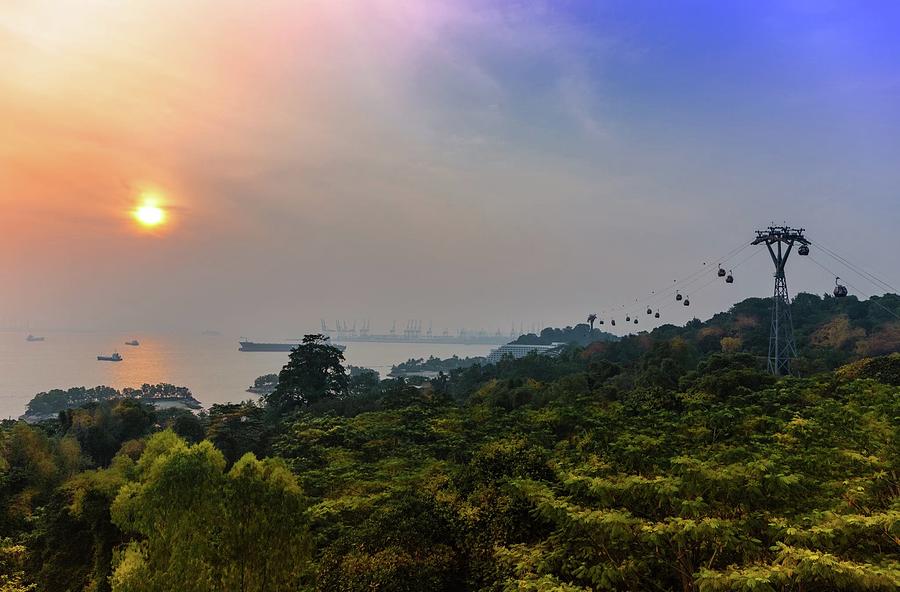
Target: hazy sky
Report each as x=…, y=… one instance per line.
x=470, y=162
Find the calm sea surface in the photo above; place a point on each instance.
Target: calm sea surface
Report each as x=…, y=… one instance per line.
x=211, y=366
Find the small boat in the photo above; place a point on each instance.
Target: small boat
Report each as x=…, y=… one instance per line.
x=113, y=358
x=32, y=338
x=133, y=343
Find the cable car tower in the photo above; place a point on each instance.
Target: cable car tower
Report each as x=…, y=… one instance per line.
x=780, y=240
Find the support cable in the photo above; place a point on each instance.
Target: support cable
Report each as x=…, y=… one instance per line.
x=881, y=284
x=716, y=278
x=858, y=291
x=678, y=285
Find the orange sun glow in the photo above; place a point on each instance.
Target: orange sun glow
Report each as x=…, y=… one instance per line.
x=149, y=214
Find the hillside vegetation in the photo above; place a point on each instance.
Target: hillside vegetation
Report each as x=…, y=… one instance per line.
x=829, y=331
x=658, y=462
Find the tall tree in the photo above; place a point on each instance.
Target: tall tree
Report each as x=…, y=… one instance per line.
x=314, y=372
x=202, y=529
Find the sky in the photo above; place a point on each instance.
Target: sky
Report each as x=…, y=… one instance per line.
x=470, y=163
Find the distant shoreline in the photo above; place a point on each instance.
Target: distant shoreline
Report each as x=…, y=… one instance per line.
x=48, y=405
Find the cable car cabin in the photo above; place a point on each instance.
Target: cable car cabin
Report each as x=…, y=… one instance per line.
x=721, y=272
x=803, y=250
x=839, y=290
x=678, y=296
x=730, y=278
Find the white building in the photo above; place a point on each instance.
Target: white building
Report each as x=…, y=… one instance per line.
x=520, y=351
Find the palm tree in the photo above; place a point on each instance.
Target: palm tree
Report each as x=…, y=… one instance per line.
x=591, y=318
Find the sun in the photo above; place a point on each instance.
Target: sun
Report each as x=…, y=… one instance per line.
x=149, y=214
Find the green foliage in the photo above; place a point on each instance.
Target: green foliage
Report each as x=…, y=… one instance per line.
x=715, y=481
x=32, y=465
x=12, y=574
x=830, y=332
x=50, y=403
x=724, y=376
x=314, y=372
x=408, y=545
x=433, y=364
x=580, y=334
x=79, y=512
x=102, y=428
x=266, y=383
x=202, y=528
x=363, y=383
x=652, y=463
x=802, y=569
x=885, y=369
x=238, y=428
x=184, y=423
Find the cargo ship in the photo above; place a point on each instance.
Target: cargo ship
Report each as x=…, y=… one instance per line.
x=252, y=346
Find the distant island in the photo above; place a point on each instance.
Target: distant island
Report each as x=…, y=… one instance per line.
x=432, y=366
x=47, y=405
x=264, y=385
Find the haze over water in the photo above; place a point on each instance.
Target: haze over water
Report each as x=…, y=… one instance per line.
x=211, y=366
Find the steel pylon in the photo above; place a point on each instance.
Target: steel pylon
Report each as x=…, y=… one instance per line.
x=782, y=348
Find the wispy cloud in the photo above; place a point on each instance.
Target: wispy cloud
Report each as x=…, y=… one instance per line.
x=476, y=143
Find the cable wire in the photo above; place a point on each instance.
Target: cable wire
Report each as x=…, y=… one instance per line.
x=857, y=290
x=637, y=307
x=698, y=290
x=881, y=284
x=677, y=286
x=716, y=278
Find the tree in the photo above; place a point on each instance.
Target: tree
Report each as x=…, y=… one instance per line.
x=238, y=428
x=315, y=372
x=406, y=546
x=101, y=428
x=363, y=382
x=188, y=426
x=32, y=465
x=202, y=529
x=79, y=511
x=731, y=345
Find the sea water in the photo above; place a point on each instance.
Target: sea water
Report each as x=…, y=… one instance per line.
x=210, y=365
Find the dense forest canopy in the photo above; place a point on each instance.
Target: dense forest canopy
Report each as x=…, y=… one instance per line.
x=662, y=461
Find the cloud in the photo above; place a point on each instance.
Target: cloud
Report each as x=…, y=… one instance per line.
x=416, y=149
